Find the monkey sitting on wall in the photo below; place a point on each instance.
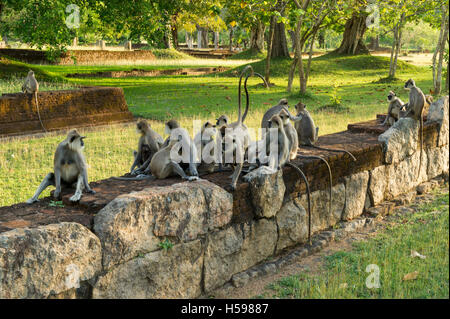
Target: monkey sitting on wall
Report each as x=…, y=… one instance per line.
x=70, y=169
x=205, y=144
x=395, y=110
x=308, y=133
x=149, y=143
x=31, y=86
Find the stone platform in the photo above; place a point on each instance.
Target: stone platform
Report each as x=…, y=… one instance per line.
x=109, y=245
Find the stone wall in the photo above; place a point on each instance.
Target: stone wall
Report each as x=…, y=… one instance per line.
x=126, y=252
x=62, y=109
x=82, y=57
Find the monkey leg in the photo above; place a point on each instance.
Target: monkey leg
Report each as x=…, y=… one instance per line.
x=79, y=191
x=48, y=180
x=176, y=168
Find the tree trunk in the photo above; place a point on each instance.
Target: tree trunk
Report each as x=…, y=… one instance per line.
x=204, y=38
x=311, y=48
x=279, y=45
x=199, y=39
x=321, y=39
x=269, y=48
x=298, y=47
x=231, y=39
x=396, y=47
x=216, y=40
x=174, y=30
x=257, y=37
x=352, y=42
x=189, y=41
x=437, y=89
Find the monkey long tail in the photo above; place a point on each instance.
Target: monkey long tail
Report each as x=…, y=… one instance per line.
x=421, y=143
x=330, y=175
x=38, y=113
x=333, y=150
x=308, y=194
x=246, y=92
x=245, y=70
x=137, y=178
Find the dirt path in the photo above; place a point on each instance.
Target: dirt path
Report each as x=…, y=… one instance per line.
x=314, y=263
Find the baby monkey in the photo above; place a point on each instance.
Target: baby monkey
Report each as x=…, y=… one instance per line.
x=70, y=169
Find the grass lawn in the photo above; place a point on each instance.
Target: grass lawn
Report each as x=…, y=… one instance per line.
x=343, y=274
x=352, y=80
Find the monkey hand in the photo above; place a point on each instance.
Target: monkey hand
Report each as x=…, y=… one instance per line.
x=91, y=191
x=31, y=201
x=192, y=178
x=76, y=197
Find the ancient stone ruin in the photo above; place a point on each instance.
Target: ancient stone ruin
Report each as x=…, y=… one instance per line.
x=62, y=109
x=172, y=239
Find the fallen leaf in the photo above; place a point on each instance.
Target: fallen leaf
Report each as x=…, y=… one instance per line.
x=266, y=103
x=228, y=98
x=416, y=254
x=343, y=285
x=411, y=276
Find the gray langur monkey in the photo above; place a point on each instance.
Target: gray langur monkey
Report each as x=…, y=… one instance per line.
x=291, y=133
x=149, y=143
x=239, y=138
x=69, y=168
x=395, y=109
x=414, y=109
x=163, y=164
x=308, y=133
x=204, y=142
x=31, y=86
x=282, y=104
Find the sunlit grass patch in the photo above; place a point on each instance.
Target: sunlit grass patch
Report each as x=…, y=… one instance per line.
x=345, y=273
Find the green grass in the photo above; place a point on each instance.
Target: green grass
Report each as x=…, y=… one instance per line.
x=249, y=54
x=344, y=275
x=170, y=54
x=10, y=68
x=24, y=162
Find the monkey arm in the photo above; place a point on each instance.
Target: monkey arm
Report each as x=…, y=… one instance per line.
x=57, y=182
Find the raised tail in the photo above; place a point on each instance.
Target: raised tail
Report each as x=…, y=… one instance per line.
x=247, y=95
x=300, y=172
x=244, y=71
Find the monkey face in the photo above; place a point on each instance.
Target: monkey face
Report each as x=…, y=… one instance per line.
x=409, y=84
x=223, y=120
x=76, y=142
x=390, y=96
x=31, y=73
x=299, y=107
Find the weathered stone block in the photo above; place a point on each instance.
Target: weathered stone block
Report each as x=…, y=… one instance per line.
x=439, y=113
x=135, y=223
x=320, y=217
x=438, y=161
x=237, y=248
x=377, y=185
x=175, y=273
x=404, y=176
x=355, y=195
x=47, y=260
x=267, y=191
x=400, y=140
x=292, y=221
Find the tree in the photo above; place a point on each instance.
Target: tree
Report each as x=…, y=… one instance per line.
x=354, y=29
x=439, y=18
x=311, y=16
x=395, y=15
